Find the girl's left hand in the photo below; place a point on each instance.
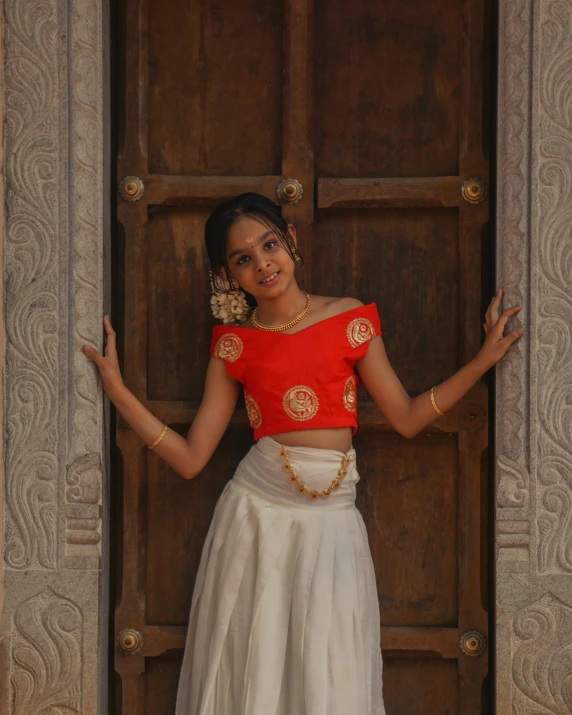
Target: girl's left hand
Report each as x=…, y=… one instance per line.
x=496, y=343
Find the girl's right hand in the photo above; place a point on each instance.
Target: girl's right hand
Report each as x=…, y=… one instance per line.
x=108, y=364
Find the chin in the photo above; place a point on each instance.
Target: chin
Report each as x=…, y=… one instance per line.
x=273, y=292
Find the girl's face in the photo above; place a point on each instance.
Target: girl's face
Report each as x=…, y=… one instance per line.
x=257, y=258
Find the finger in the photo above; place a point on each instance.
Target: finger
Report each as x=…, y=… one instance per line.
x=108, y=327
x=494, y=309
x=489, y=318
x=494, y=298
x=505, y=317
x=110, y=339
x=92, y=354
x=512, y=337
x=111, y=354
x=500, y=325
x=512, y=311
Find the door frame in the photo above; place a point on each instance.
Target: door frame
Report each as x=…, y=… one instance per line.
x=59, y=107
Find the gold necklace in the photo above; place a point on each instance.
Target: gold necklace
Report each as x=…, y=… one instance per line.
x=303, y=488
x=285, y=326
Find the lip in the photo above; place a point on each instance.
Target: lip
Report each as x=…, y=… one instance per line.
x=273, y=281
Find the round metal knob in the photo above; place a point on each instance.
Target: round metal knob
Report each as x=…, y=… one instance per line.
x=473, y=643
x=131, y=188
x=474, y=190
x=290, y=191
x=130, y=640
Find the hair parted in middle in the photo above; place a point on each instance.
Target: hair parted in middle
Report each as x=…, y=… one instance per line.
x=220, y=222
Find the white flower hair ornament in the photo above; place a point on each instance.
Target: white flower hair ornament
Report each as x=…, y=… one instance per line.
x=229, y=306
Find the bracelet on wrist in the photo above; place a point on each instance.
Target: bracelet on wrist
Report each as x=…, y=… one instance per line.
x=159, y=438
x=432, y=396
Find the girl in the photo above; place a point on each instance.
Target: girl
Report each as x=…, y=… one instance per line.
x=285, y=616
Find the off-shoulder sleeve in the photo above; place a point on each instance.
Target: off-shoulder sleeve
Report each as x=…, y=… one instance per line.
x=227, y=345
x=363, y=325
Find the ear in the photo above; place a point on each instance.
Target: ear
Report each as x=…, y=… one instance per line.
x=228, y=278
x=292, y=232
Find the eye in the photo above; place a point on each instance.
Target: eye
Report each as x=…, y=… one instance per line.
x=241, y=260
x=270, y=244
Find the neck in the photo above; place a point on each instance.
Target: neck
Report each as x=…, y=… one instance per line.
x=283, y=308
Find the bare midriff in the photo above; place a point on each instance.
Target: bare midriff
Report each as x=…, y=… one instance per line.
x=339, y=438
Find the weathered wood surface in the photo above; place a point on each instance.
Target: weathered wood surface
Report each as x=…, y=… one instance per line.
x=380, y=110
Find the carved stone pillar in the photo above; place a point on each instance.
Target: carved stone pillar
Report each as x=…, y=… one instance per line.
x=533, y=556
x=54, y=614
x=53, y=602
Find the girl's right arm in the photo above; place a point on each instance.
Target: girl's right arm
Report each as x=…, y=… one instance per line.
x=186, y=456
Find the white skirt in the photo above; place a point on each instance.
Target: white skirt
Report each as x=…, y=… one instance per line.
x=285, y=615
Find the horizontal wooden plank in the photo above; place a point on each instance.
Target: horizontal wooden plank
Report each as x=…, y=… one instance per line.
x=158, y=639
x=461, y=418
x=161, y=190
x=415, y=192
x=444, y=641
x=440, y=191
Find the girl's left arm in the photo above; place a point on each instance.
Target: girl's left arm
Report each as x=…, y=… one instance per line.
x=411, y=415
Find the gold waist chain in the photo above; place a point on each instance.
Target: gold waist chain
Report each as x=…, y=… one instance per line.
x=303, y=488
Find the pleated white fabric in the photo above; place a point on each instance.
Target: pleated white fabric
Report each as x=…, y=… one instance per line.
x=285, y=615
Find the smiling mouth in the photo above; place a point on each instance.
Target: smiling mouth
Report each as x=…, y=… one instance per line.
x=270, y=278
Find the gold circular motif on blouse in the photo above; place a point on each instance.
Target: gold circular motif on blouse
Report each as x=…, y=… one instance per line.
x=350, y=394
x=229, y=347
x=301, y=403
x=359, y=331
x=253, y=412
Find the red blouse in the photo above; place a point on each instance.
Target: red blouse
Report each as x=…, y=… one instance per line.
x=303, y=380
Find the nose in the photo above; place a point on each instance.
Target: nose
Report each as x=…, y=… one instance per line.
x=262, y=261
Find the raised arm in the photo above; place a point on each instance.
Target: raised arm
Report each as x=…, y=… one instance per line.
x=411, y=415
x=186, y=456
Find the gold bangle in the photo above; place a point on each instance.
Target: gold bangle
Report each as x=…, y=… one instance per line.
x=159, y=438
x=432, y=395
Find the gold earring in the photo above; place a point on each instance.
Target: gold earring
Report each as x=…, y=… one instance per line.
x=296, y=256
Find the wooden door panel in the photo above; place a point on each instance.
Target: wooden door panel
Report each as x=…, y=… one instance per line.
x=215, y=88
x=161, y=678
x=421, y=685
x=407, y=262
x=387, y=88
x=408, y=499
x=178, y=304
x=178, y=516
x=377, y=109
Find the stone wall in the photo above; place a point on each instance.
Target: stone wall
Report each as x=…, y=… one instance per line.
x=53, y=624
x=54, y=599
x=534, y=385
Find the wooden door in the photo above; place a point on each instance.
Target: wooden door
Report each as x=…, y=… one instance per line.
x=379, y=110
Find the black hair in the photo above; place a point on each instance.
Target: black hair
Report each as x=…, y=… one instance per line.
x=223, y=217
